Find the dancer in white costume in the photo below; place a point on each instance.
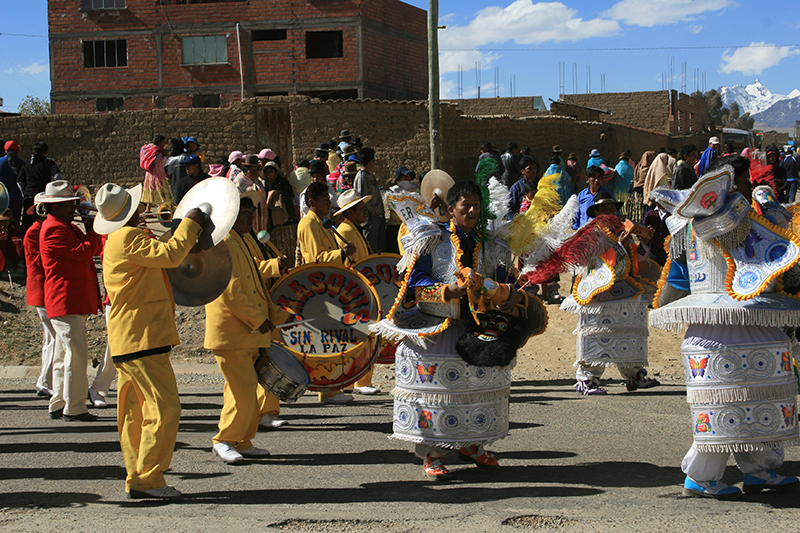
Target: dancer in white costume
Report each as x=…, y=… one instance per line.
x=737, y=359
x=442, y=403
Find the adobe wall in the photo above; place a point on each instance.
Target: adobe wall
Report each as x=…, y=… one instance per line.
x=97, y=148
x=647, y=109
x=518, y=106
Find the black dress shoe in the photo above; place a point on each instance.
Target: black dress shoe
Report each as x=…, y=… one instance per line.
x=56, y=415
x=83, y=417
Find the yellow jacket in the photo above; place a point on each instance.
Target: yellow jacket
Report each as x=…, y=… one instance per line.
x=242, y=307
x=317, y=243
x=268, y=267
x=142, y=315
x=352, y=234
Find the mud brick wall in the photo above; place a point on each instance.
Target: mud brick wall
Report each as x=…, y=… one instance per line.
x=518, y=106
x=99, y=148
x=649, y=110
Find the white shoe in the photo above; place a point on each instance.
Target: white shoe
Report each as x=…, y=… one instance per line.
x=270, y=421
x=252, y=451
x=339, y=398
x=369, y=391
x=97, y=398
x=227, y=452
x=161, y=492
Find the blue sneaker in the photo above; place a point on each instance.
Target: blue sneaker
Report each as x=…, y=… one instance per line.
x=709, y=489
x=769, y=479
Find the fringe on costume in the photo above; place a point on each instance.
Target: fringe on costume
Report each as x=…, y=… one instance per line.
x=612, y=330
x=622, y=364
x=674, y=318
x=735, y=237
x=626, y=306
x=451, y=445
x=745, y=446
x=742, y=394
x=422, y=247
x=450, y=399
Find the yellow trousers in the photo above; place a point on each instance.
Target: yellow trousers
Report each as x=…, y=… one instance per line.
x=148, y=414
x=244, y=400
x=365, y=381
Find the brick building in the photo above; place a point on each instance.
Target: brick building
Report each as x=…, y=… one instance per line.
x=109, y=55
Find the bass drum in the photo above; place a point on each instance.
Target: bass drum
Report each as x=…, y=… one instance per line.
x=381, y=271
x=337, y=348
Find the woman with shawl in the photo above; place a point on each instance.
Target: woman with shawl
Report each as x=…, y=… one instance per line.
x=658, y=175
x=152, y=158
x=635, y=205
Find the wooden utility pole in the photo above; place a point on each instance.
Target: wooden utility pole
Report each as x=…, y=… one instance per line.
x=433, y=84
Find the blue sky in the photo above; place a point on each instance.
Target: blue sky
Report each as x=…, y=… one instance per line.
x=729, y=41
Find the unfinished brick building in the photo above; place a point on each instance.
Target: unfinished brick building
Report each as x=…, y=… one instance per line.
x=109, y=55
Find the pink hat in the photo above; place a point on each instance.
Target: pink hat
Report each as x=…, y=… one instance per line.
x=215, y=170
x=236, y=154
x=267, y=153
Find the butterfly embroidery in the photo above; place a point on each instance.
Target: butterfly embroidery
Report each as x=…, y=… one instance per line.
x=425, y=419
x=702, y=425
x=426, y=374
x=786, y=361
x=698, y=366
x=788, y=414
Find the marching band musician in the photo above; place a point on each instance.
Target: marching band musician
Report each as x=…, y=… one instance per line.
x=238, y=323
x=141, y=334
x=354, y=211
x=318, y=244
x=71, y=294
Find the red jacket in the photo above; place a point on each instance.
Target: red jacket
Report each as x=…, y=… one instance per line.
x=70, y=278
x=34, y=293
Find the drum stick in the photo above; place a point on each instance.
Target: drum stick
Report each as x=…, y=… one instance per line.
x=289, y=324
x=264, y=237
x=328, y=223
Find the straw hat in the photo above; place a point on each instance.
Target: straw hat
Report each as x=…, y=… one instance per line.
x=349, y=199
x=115, y=206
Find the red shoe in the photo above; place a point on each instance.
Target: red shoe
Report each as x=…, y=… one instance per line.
x=434, y=468
x=476, y=454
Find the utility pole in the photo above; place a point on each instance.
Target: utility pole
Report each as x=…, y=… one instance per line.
x=433, y=84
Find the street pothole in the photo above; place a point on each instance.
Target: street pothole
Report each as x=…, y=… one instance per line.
x=535, y=521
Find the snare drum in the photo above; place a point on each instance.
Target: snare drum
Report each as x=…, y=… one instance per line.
x=281, y=374
x=337, y=348
x=381, y=271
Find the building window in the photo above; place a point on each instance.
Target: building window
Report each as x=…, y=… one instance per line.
x=269, y=35
x=322, y=44
x=205, y=100
x=110, y=104
x=205, y=50
x=88, y=5
x=105, y=53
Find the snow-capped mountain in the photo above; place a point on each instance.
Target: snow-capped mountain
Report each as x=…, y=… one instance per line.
x=782, y=114
x=753, y=98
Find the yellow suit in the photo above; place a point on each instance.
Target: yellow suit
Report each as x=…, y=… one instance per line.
x=241, y=308
x=141, y=332
x=318, y=244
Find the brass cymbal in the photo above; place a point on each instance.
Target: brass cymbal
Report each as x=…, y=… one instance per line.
x=202, y=276
x=219, y=199
x=4, y=199
x=437, y=182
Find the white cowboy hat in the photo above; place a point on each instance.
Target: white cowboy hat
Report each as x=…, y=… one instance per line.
x=56, y=191
x=115, y=206
x=349, y=199
x=255, y=196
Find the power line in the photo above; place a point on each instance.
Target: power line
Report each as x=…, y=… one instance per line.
x=609, y=49
x=23, y=35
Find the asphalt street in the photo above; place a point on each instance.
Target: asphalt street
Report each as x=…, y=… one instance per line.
x=570, y=463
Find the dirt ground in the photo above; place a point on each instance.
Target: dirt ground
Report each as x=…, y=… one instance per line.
x=550, y=354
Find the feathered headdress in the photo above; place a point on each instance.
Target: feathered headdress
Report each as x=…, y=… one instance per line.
x=581, y=250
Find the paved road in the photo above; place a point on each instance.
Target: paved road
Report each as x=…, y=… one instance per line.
x=570, y=463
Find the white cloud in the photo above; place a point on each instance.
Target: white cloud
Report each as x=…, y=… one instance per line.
x=651, y=13
x=33, y=68
x=755, y=58
x=522, y=22
x=695, y=29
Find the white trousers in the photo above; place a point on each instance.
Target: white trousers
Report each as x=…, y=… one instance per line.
x=585, y=371
x=106, y=372
x=70, y=383
x=48, y=347
x=701, y=466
